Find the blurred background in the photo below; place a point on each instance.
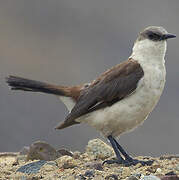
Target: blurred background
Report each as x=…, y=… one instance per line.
x=69, y=42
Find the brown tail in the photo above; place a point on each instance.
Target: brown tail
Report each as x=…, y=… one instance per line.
x=18, y=83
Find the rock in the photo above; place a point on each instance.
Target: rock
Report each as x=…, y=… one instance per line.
x=66, y=162
x=89, y=173
x=137, y=175
x=132, y=178
x=170, y=173
x=98, y=177
x=159, y=170
x=24, y=150
x=31, y=168
x=99, y=149
x=95, y=165
x=170, y=176
x=177, y=167
x=48, y=167
x=64, y=152
x=21, y=159
x=111, y=177
x=42, y=151
x=150, y=177
x=76, y=155
x=80, y=177
x=126, y=171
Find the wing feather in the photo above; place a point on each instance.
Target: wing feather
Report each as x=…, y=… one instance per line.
x=110, y=87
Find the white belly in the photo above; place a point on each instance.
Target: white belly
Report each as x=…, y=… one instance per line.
x=132, y=110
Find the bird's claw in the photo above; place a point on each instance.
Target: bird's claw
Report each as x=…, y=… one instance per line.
x=127, y=163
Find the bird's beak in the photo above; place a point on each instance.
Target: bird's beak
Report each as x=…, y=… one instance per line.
x=168, y=36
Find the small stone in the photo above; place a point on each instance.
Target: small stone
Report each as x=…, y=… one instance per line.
x=137, y=175
x=48, y=167
x=15, y=163
x=89, y=173
x=31, y=168
x=64, y=152
x=126, y=171
x=42, y=151
x=24, y=150
x=99, y=149
x=170, y=177
x=150, y=177
x=170, y=173
x=159, y=170
x=132, y=178
x=98, y=177
x=111, y=177
x=80, y=177
x=95, y=165
x=177, y=167
x=66, y=162
x=76, y=155
x=21, y=159
x=151, y=169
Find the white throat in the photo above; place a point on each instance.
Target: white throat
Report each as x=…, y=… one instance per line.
x=149, y=52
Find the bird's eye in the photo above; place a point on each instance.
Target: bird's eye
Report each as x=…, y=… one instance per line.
x=153, y=36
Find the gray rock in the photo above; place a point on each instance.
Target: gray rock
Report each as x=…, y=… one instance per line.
x=24, y=150
x=111, y=177
x=95, y=165
x=42, y=151
x=65, y=152
x=150, y=177
x=31, y=168
x=99, y=149
x=89, y=173
x=177, y=167
x=132, y=178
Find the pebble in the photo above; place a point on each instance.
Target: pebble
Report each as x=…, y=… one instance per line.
x=137, y=175
x=80, y=177
x=31, y=168
x=64, y=152
x=76, y=155
x=24, y=150
x=132, y=178
x=150, y=177
x=99, y=149
x=21, y=159
x=41, y=150
x=111, y=177
x=177, y=167
x=89, y=173
x=159, y=170
x=48, y=167
x=95, y=165
x=126, y=171
x=66, y=162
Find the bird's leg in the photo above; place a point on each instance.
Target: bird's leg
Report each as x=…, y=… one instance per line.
x=119, y=159
x=128, y=159
x=123, y=152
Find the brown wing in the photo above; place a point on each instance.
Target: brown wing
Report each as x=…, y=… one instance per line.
x=110, y=87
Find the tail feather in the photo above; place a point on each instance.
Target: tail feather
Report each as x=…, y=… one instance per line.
x=18, y=83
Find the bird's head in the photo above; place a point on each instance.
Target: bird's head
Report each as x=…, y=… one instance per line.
x=152, y=41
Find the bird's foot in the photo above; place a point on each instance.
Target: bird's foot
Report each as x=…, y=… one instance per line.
x=127, y=163
x=133, y=162
x=113, y=161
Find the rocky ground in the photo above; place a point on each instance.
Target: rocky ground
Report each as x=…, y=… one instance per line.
x=42, y=161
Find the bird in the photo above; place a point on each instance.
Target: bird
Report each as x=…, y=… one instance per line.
x=118, y=100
